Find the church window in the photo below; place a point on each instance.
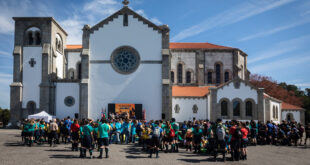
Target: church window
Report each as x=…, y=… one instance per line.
x=58, y=43
x=209, y=77
x=277, y=113
x=177, y=108
x=30, y=38
x=69, y=101
x=125, y=21
x=172, y=76
x=218, y=73
x=236, y=108
x=224, y=108
x=195, y=108
x=188, y=77
x=125, y=60
x=226, y=76
x=248, y=108
x=180, y=73
x=38, y=38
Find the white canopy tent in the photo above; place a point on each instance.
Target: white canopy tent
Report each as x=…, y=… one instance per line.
x=42, y=115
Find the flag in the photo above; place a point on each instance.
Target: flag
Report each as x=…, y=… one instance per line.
x=102, y=113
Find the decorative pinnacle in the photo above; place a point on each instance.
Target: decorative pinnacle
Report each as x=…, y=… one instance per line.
x=125, y=2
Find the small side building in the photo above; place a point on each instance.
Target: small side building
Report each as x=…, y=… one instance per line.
x=293, y=113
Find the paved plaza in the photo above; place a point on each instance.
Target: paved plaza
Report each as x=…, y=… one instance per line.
x=12, y=153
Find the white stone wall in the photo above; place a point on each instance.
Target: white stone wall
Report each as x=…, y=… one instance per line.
x=188, y=59
x=296, y=115
x=186, y=109
x=144, y=86
x=230, y=92
x=32, y=76
x=62, y=91
x=60, y=64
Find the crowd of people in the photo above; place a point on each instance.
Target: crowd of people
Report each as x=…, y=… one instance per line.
x=199, y=136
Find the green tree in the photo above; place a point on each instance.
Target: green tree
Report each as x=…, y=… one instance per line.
x=4, y=116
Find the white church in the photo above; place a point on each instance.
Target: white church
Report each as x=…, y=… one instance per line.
x=126, y=59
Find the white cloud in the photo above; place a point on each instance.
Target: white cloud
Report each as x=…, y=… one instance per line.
x=154, y=19
x=5, y=81
x=5, y=54
x=236, y=14
x=281, y=48
x=281, y=64
x=303, y=84
x=275, y=30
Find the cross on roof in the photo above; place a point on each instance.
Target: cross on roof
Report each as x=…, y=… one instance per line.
x=32, y=62
x=125, y=2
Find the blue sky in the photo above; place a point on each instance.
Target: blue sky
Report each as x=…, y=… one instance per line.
x=274, y=33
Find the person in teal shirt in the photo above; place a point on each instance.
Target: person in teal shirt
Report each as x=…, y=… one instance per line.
x=87, y=140
x=175, y=142
x=118, y=129
x=103, y=131
x=133, y=131
x=197, y=138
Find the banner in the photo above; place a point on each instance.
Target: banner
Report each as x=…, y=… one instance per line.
x=125, y=108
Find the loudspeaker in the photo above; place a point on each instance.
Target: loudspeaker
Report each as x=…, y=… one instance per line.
x=163, y=116
x=76, y=115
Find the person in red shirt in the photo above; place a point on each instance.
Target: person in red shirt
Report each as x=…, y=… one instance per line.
x=244, y=141
x=234, y=131
x=75, y=128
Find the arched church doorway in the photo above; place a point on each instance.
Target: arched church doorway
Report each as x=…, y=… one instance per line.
x=290, y=117
x=31, y=107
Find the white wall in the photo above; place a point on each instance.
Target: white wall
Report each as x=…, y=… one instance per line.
x=186, y=109
x=73, y=59
x=113, y=35
x=144, y=86
x=230, y=92
x=296, y=115
x=141, y=87
x=32, y=76
x=62, y=91
x=59, y=64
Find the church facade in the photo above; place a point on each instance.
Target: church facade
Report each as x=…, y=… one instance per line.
x=126, y=59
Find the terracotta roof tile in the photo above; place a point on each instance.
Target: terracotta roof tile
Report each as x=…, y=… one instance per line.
x=194, y=45
x=74, y=47
x=190, y=91
x=287, y=106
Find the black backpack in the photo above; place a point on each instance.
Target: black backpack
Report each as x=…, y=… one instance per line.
x=238, y=133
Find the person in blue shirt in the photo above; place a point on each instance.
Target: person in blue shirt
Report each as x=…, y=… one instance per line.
x=103, y=132
x=270, y=128
x=67, y=132
x=133, y=131
x=126, y=130
x=118, y=129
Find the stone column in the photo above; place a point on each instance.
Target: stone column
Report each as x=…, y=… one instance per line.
x=45, y=82
x=83, y=111
x=16, y=87
x=200, y=65
x=166, y=67
x=260, y=105
x=214, y=112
